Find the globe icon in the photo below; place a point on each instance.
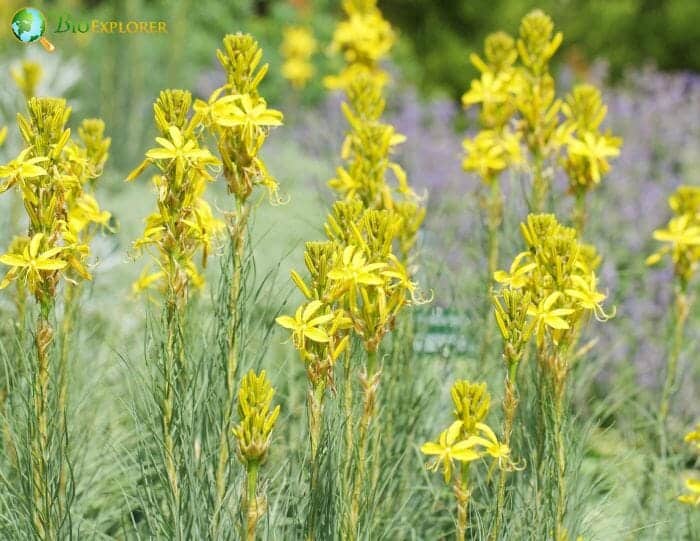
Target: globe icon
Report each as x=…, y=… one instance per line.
x=29, y=25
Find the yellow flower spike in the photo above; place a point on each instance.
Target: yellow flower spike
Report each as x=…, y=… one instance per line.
x=537, y=42
x=3, y=135
x=447, y=449
x=91, y=132
x=183, y=225
x=471, y=402
x=298, y=46
x=254, y=431
x=364, y=39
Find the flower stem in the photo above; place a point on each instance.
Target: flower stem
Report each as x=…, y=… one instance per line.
x=167, y=420
x=579, y=211
x=540, y=184
x=510, y=406
x=681, y=310
x=70, y=299
x=238, y=230
x=462, y=494
x=41, y=509
x=370, y=381
x=251, y=501
x=314, y=408
x=561, y=466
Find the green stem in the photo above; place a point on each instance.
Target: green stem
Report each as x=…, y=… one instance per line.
x=71, y=294
x=510, y=406
x=669, y=388
x=251, y=502
x=169, y=407
x=561, y=467
x=462, y=494
x=579, y=211
x=494, y=214
x=540, y=184
x=369, y=383
x=314, y=408
x=41, y=510
x=238, y=232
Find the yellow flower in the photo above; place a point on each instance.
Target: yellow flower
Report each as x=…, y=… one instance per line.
x=518, y=274
x=693, y=485
x=180, y=150
x=694, y=438
x=545, y=316
x=489, y=89
x=30, y=263
x=354, y=270
x=447, y=450
x=241, y=111
x=304, y=325
x=588, y=297
x=595, y=148
x=21, y=168
x=3, y=135
x=86, y=210
x=490, y=443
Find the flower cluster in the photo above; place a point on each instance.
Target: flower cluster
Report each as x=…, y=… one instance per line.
x=468, y=438
x=556, y=277
x=364, y=39
x=257, y=420
x=587, y=148
x=356, y=284
x=681, y=237
x=367, y=153
x=517, y=96
x=239, y=118
x=254, y=434
x=50, y=173
x=298, y=46
x=183, y=224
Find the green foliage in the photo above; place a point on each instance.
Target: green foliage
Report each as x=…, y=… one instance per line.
x=660, y=31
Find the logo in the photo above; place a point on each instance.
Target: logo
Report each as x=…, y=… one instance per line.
x=29, y=25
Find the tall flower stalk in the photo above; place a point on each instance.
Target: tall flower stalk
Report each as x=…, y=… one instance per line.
x=49, y=173
x=557, y=274
x=182, y=228
x=357, y=285
x=239, y=120
x=466, y=440
x=681, y=239
x=253, y=435
x=511, y=312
